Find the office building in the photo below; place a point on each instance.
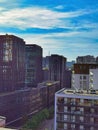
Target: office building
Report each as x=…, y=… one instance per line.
x=34, y=74
x=16, y=106
x=86, y=59
x=76, y=110
x=12, y=63
x=57, y=66
x=47, y=92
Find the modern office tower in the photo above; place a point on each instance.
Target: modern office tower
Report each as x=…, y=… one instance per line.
x=12, y=63
x=86, y=59
x=93, y=79
x=80, y=75
x=76, y=111
x=57, y=66
x=34, y=73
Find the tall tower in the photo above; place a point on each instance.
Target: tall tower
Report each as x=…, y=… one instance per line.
x=12, y=63
x=34, y=73
x=57, y=65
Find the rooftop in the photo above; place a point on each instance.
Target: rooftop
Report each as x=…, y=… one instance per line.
x=6, y=128
x=78, y=93
x=2, y=118
x=48, y=83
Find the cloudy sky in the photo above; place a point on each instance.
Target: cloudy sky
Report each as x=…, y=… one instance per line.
x=65, y=27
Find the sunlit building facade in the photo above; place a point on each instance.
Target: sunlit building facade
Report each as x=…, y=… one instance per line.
x=80, y=75
x=12, y=59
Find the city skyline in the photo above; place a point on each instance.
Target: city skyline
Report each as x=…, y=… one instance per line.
x=68, y=28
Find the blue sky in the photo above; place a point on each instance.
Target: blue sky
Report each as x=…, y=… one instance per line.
x=65, y=27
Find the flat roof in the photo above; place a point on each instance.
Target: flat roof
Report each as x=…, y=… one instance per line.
x=1, y=128
x=48, y=83
x=90, y=94
x=2, y=117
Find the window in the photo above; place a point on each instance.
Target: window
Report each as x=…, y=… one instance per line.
x=84, y=77
x=80, y=77
x=7, y=51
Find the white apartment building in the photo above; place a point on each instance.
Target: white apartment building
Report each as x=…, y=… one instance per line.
x=80, y=81
x=93, y=79
x=85, y=76
x=76, y=110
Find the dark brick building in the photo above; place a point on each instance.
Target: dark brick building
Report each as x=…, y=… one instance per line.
x=47, y=92
x=12, y=64
x=19, y=104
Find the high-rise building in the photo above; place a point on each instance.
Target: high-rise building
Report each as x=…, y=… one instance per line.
x=80, y=75
x=12, y=63
x=34, y=73
x=57, y=66
x=86, y=59
x=76, y=111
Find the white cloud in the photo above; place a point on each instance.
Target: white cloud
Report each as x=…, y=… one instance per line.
x=35, y=17
x=59, y=7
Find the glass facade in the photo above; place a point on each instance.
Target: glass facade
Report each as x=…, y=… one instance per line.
x=7, y=51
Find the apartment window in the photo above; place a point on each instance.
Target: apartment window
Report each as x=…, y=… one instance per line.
x=81, y=127
x=84, y=77
x=84, y=84
x=80, y=77
x=92, y=128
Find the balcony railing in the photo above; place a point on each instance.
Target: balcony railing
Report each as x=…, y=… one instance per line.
x=93, y=105
x=78, y=113
x=73, y=121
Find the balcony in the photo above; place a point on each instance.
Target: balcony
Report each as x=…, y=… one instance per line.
x=79, y=113
x=73, y=104
x=76, y=122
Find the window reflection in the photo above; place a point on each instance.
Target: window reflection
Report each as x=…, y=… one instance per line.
x=7, y=51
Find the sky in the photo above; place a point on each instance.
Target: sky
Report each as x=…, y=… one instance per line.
x=63, y=27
